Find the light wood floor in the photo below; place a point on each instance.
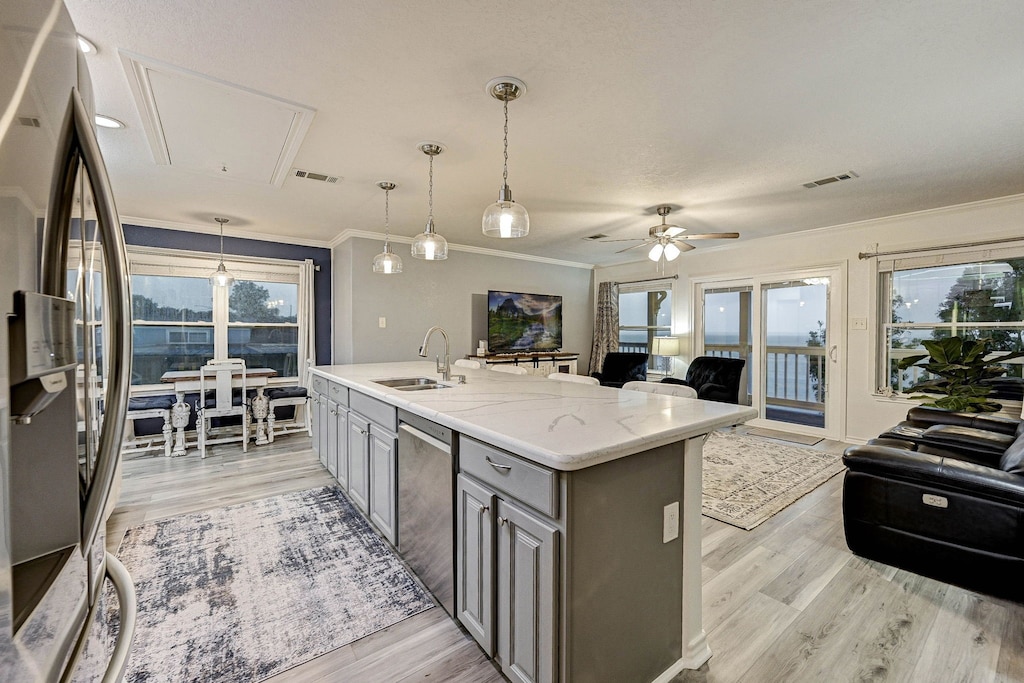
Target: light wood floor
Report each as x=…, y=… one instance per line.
x=786, y=601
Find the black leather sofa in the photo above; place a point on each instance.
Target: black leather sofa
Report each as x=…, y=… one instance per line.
x=944, y=510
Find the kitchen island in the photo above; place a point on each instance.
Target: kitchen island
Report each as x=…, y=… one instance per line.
x=577, y=508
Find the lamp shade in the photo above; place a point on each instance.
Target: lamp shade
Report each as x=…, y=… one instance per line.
x=665, y=346
x=506, y=219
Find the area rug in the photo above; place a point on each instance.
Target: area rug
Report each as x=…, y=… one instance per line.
x=244, y=592
x=747, y=480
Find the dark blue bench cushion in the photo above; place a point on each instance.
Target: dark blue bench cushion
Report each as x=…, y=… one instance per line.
x=285, y=392
x=152, y=402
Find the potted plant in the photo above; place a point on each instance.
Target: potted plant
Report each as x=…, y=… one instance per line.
x=959, y=367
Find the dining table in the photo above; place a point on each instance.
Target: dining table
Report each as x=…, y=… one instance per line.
x=187, y=381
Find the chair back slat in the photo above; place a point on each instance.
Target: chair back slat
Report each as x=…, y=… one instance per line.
x=219, y=377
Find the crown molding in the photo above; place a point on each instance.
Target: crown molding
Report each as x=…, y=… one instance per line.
x=228, y=232
x=484, y=251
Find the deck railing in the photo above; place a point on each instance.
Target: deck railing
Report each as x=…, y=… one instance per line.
x=795, y=374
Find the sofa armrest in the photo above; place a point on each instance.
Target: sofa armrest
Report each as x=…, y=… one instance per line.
x=944, y=473
x=716, y=392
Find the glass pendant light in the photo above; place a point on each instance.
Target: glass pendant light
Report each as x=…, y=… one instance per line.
x=221, y=277
x=428, y=245
x=505, y=218
x=387, y=262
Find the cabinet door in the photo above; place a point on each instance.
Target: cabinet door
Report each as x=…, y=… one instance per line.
x=332, y=438
x=358, y=465
x=527, y=571
x=341, y=420
x=314, y=415
x=323, y=419
x=474, y=594
x=384, y=481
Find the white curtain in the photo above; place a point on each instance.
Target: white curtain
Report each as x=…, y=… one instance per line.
x=307, y=319
x=606, y=324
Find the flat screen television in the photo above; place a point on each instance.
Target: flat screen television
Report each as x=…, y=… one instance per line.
x=523, y=322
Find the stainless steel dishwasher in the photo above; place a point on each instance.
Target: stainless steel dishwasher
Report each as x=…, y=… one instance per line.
x=426, y=504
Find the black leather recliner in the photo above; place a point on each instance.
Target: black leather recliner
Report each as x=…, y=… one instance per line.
x=952, y=514
x=620, y=367
x=714, y=378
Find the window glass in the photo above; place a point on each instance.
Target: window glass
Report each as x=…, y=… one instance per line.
x=980, y=299
x=643, y=315
x=162, y=348
x=263, y=302
x=171, y=298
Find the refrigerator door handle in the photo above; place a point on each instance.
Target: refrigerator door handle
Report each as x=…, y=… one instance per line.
x=127, y=603
x=78, y=141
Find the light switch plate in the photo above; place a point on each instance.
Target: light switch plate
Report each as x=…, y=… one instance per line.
x=670, y=528
x=382, y=322
x=858, y=323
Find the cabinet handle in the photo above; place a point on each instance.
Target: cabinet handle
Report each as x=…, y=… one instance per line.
x=363, y=432
x=334, y=412
x=501, y=521
x=484, y=508
x=497, y=466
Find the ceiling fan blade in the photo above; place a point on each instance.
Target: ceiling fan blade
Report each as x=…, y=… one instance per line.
x=642, y=244
x=710, y=236
x=683, y=246
x=633, y=239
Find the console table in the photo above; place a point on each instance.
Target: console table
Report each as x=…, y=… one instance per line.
x=540, y=364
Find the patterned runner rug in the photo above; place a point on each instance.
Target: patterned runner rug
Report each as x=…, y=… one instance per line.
x=245, y=592
x=748, y=480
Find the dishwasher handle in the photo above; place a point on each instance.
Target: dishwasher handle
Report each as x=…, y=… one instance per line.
x=423, y=436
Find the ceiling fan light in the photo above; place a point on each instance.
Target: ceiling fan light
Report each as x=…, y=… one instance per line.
x=656, y=251
x=671, y=252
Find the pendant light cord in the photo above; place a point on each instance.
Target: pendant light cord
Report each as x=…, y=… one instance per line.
x=430, y=193
x=387, y=218
x=504, y=175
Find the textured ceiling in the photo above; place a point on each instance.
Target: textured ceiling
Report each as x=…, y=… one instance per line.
x=724, y=108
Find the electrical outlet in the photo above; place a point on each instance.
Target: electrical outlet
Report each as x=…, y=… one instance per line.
x=670, y=528
x=382, y=322
x=858, y=323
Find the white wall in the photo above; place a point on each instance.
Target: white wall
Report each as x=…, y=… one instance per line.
x=450, y=293
x=865, y=413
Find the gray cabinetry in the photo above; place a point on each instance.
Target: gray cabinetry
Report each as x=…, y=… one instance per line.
x=508, y=560
x=383, y=481
x=371, y=446
x=340, y=446
x=358, y=460
x=320, y=428
x=332, y=438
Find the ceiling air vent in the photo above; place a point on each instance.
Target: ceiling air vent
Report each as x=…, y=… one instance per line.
x=321, y=177
x=30, y=121
x=598, y=236
x=831, y=179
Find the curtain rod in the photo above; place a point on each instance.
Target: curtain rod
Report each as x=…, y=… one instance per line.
x=866, y=255
x=650, y=279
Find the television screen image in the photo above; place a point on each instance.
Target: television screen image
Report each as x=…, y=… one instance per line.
x=523, y=322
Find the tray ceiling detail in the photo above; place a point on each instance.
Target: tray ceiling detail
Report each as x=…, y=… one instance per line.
x=209, y=126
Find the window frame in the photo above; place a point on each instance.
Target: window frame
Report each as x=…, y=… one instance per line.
x=936, y=258
x=660, y=284
x=178, y=263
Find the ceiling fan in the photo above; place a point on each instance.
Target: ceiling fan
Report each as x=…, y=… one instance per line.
x=670, y=240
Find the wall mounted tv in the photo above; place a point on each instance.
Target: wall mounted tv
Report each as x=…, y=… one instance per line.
x=523, y=322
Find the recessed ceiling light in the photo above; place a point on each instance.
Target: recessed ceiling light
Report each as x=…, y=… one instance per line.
x=107, y=122
x=86, y=45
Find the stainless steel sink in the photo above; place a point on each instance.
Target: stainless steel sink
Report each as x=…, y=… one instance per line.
x=405, y=382
x=411, y=383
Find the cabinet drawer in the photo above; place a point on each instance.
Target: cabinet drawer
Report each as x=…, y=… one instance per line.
x=376, y=410
x=338, y=393
x=319, y=384
x=529, y=483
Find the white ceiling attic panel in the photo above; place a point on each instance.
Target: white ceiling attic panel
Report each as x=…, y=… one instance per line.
x=210, y=126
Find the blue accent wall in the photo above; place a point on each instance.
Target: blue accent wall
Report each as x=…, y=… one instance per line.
x=142, y=236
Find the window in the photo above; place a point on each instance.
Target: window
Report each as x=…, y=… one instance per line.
x=645, y=312
x=180, y=320
x=969, y=295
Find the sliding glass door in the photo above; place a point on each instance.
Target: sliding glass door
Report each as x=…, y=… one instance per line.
x=780, y=325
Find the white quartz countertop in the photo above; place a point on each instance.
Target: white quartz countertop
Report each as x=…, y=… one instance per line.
x=564, y=425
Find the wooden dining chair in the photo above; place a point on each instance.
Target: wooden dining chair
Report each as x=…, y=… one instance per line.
x=222, y=395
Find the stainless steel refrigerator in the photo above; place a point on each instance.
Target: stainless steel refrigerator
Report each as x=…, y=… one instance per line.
x=65, y=354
